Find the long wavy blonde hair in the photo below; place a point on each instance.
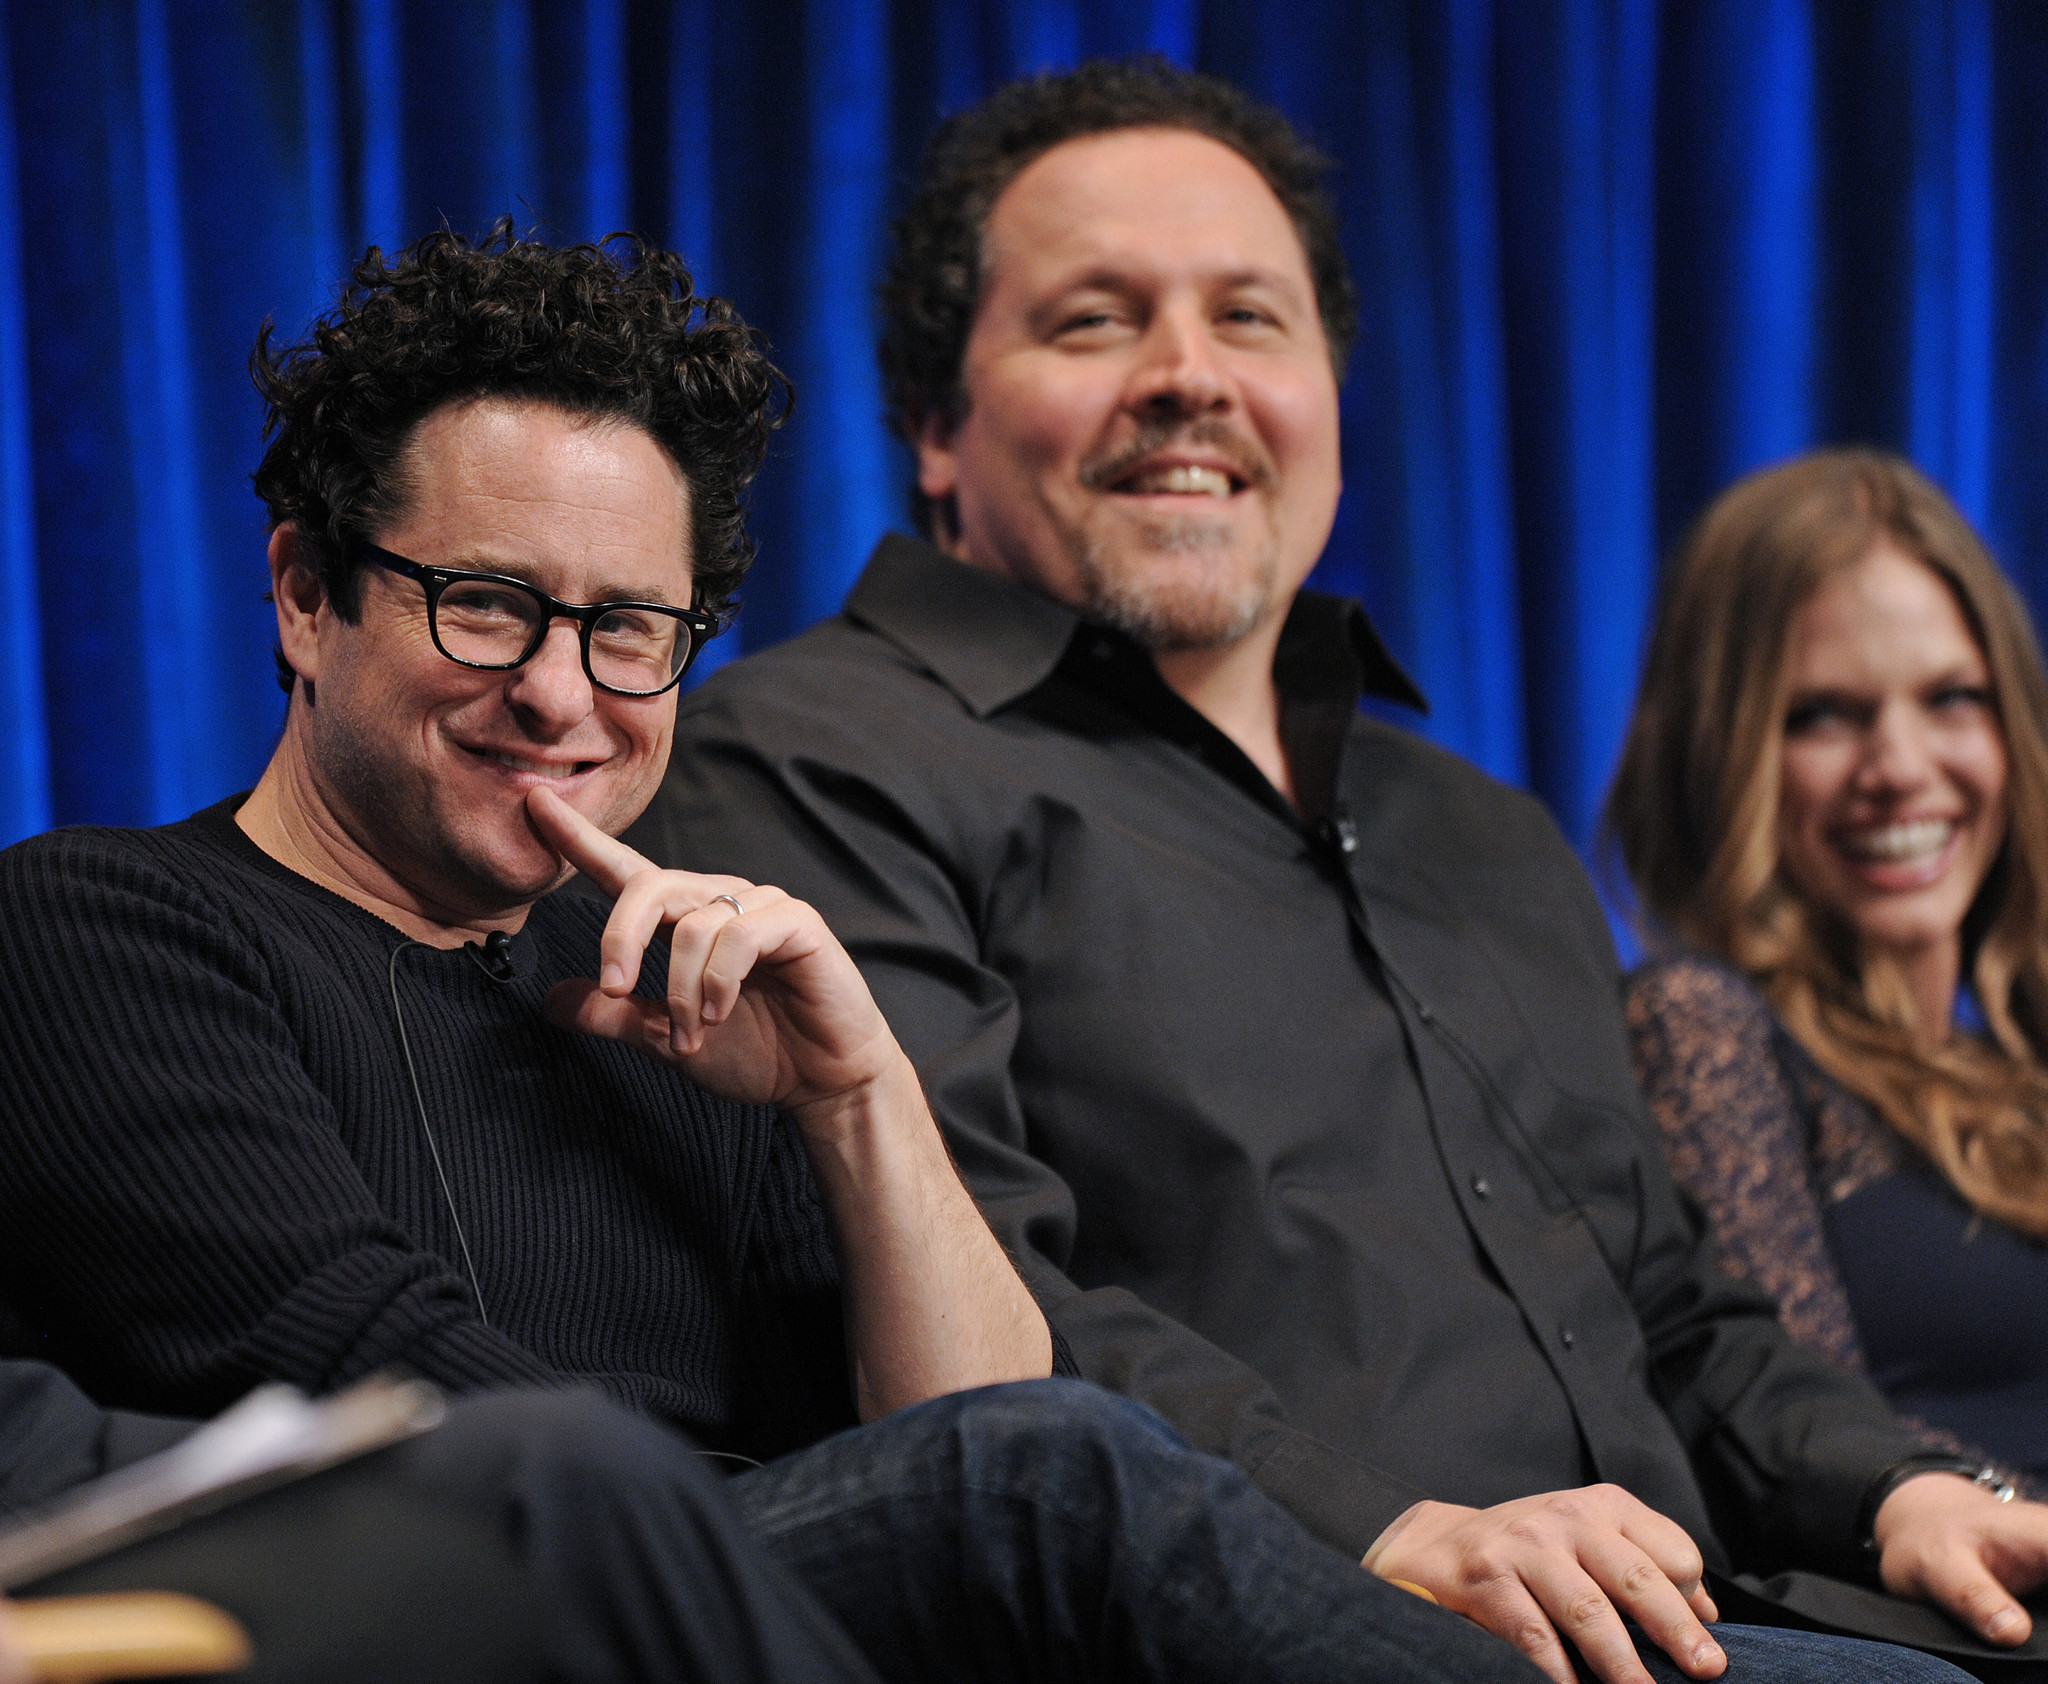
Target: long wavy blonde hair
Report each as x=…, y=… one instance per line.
x=1694, y=812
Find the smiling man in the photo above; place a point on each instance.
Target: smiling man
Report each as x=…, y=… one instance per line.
x=319, y=1081
x=1281, y=1049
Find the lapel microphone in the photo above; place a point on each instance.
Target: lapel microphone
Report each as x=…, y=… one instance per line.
x=494, y=957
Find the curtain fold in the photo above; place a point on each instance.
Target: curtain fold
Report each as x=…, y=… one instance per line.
x=1611, y=253
x=24, y=728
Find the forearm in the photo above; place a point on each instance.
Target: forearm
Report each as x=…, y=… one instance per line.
x=933, y=1305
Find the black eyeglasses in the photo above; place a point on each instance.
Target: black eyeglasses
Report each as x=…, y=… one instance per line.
x=486, y=620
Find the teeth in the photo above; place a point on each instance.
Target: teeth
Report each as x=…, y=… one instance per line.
x=1915, y=839
x=538, y=768
x=1183, y=478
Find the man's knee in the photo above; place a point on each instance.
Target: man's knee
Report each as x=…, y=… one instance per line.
x=1030, y=1444
x=1069, y=1409
x=1038, y=1421
x=1068, y=1447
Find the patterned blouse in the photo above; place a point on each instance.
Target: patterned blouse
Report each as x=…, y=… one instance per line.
x=1771, y=1146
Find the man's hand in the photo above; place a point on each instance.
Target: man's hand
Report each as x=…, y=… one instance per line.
x=1956, y=1545
x=763, y=1006
x=1567, y=1564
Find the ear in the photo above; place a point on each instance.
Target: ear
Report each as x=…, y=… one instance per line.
x=938, y=477
x=295, y=587
x=938, y=468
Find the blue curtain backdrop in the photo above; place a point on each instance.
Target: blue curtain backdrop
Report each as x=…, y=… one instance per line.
x=1612, y=253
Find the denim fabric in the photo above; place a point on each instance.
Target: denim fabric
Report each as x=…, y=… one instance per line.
x=1050, y=1531
x=1770, y=1655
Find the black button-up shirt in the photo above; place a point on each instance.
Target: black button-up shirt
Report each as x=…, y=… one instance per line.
x=1316, y=1130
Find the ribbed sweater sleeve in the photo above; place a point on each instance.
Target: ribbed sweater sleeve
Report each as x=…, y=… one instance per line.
x=180, y=1212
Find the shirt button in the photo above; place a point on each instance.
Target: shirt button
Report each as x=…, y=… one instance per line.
x=1567, y=1338
x=1482, y=1186
x=1422, y=1011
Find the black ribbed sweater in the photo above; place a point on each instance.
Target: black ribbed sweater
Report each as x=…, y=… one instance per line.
x=213, y=1169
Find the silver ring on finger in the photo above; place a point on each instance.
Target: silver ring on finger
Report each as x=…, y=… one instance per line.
x=738, y=911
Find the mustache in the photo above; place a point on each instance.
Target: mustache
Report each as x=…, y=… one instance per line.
x=1247, y=461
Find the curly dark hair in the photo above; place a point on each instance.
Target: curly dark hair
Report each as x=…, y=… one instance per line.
x=933, y=285
x=613, y=331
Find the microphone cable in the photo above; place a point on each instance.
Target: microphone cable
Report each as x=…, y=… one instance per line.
x=427, y=1128
x=494, y=959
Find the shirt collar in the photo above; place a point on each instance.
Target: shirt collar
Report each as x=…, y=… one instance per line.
x=991, y=641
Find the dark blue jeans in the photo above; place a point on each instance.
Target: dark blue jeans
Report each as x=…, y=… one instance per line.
x=1051, y=1531
x=1769, y=1655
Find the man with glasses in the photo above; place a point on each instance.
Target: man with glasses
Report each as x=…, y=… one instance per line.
x=318, y=1082
x=483, y=620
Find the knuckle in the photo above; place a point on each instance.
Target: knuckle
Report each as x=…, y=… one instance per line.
x=638, y=887
x=1586, y=1608
x=1486, y=1568
x=1641, y=1576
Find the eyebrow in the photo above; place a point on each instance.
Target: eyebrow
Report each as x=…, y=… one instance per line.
x=1105, y=278
x=1962, y=675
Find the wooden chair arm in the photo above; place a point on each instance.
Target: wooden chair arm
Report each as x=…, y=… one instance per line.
x=1413, y=1589
x=133, y=1634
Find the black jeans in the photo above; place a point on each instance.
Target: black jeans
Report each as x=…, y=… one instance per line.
x=534, y=1535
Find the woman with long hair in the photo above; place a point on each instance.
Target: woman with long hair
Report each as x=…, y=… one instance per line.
x=1833, y=804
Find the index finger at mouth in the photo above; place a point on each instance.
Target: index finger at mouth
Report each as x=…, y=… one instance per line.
x=604, y=859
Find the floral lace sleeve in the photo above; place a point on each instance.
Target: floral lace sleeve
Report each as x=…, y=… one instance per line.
x=1764, y=1140
x=1704, y=1045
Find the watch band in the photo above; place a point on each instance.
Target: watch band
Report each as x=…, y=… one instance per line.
x=1890, y=1479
